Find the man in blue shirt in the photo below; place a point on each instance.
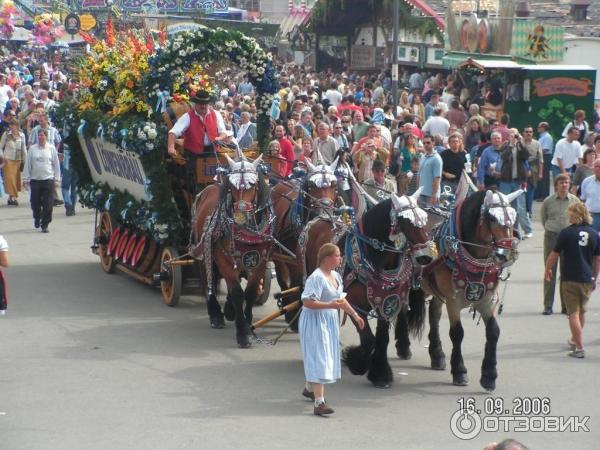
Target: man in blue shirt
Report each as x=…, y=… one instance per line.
x=578, y=247
x=590, y=194
x=430, y=173
x=487, y=172
x=547, y=143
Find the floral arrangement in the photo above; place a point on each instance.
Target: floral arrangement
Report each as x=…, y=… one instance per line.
x=47, y=28
x=7, y=24
x=126, y=84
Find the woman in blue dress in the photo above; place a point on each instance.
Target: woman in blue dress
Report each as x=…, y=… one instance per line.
x=319, y=326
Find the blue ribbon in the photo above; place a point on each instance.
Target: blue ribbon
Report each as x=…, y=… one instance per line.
x=123, y=136
x=81, y=128
x=161, y=101
x=100, y=132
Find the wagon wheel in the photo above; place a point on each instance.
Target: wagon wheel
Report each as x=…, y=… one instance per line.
x=103, y=233
x=171, y=285
x=263, y=296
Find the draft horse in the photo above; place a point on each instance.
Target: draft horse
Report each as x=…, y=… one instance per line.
x=381, y=253
x=232, y=238
x=476, y=244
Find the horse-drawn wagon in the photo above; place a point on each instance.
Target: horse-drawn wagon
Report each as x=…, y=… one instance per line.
x=132, y=88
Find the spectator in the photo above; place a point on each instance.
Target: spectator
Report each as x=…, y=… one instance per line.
x=13, y=149
x=287, y=149
x=578, y=247
x=42, y=174
x=69, y=183
x=502, y=128
x=378, y=185
x=536, y=165
x=456, y=116
x=547, y=143
x=412, y=176
x=344, y=172
x=324, y=147
x=454, y=159
x=554, y=219
x=417, y=108
x=333, y=95
x=473, y=136
x=583, y=170
x=340, y=137
x=436, y=124
x=582, y=126
x=360, y=128
x=590, y=194
x=3, y=263
x=434, y=104
x=318, y=326
x=567, y=153
x=430, y=173
x=488, y=171
x=246, y=135
x=401, y=161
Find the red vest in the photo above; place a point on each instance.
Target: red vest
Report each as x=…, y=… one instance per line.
x=193, y=138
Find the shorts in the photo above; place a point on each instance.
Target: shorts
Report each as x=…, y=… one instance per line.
x=575, y=295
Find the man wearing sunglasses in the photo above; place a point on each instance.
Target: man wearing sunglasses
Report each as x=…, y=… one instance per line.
x=430, y=173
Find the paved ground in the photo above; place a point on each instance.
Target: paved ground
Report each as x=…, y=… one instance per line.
x=96, y=361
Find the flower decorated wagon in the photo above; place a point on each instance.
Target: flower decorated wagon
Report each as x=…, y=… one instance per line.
x=132, y=88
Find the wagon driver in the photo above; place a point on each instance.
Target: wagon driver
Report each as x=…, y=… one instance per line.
x=201, y=126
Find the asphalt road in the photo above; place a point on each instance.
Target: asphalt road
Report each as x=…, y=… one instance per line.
x=96, y=361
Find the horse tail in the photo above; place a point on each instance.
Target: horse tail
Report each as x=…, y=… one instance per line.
x=416, y=313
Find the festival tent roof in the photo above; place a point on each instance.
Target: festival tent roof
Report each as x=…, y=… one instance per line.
x=21, y=34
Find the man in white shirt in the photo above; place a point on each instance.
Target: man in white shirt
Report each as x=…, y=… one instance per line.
x=437, y=124
x=590, y=194
x=324, y=147
x=333, y=95
x=567, y=153
x=200, y=127
x=41, y=172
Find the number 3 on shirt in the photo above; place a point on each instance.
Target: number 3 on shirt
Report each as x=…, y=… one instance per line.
x=583, y=238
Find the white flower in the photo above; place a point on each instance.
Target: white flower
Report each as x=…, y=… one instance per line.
x=149, y=145
x=146, y=128
x=178, y=61
x=182, y=53
x=141, y=135
x=152, y=133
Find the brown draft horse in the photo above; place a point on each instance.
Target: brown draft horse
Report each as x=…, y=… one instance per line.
x=475, y=244
x=231, y=236
x=393, y=243
x=295, y=203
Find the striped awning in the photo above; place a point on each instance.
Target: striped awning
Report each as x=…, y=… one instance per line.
x=428, y=11
x=291, y=21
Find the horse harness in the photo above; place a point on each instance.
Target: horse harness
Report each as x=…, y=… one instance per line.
x=477, y=277
x=248, y=246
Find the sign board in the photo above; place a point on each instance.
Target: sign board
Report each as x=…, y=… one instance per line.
x=72, y=24
x=183, y=26
x=562, y=86
x=120, y=170
x=362, y=57
x=87, y=22
x=537, y=41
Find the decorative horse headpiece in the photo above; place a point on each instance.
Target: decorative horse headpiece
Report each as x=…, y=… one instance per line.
x=321, y=175
x=243, y=174
x=497, y=205
x=406, y=207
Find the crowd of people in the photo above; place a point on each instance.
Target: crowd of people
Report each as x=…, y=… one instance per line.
x=30, y=146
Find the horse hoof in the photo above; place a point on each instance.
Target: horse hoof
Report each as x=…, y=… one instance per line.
x=244, y=341
x=488, y=384
x=460, y=380
x=229, y=311
x=438, y=364
x=382, y=385
x=405, y=354
x=217, y=323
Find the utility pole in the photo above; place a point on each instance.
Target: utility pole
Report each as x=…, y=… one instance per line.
x=395, y=52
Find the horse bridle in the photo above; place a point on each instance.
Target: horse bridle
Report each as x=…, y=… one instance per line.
x=416, y=249
x=506, y=246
